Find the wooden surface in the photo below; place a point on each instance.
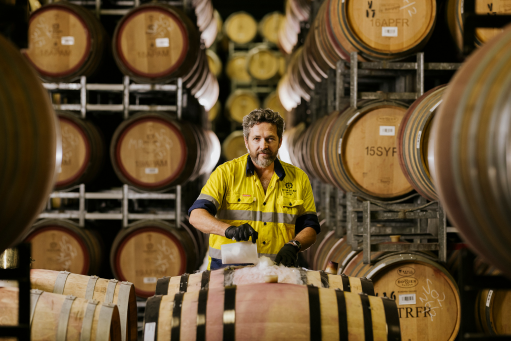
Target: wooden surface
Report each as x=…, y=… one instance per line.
x=241, y=27
x=76, y=285
x=28, y=145
x=63, y=246
x=413, y=142
x=380, y=30
x=234, y=145
x=149, y=250
x=262, y=63
x=235, y=68
x=470, y=136
x=241, y=103
x=265, y=305
x=268, y=27
x=435, y=315
x=47, y=312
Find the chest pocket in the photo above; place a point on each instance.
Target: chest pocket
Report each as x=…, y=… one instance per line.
x=238, y=208
x=290, y=206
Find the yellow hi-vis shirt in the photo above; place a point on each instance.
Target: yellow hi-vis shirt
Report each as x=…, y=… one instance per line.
x=234, y=195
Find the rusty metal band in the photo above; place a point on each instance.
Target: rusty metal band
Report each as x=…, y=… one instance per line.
x=184, y=282
x=392, y=319
x=342, y=314
x=346, y=282
x=205, y=279
x=367, y=286
x=176, y=316
x=228, y=317
x=202, y=302
x=367, y=317
x=162, y=286
x=315, y=320
x=324, y=278
x=151, y=316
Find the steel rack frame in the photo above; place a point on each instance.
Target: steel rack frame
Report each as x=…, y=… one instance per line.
x=22, y=275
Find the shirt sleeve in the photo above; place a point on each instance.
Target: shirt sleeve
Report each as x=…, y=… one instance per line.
x=212, y=194
x=308, y=216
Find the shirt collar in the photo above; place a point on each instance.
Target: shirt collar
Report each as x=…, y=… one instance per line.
x=278, y=168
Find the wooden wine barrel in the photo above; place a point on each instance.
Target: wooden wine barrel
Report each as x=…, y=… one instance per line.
x=60, y=317
x=225, y=277
x=92, y=288
x=65, y=41
x=335, y=250
x=286, y=37
x=240, y=103
x=204, y=14
x=318, y=313
x=154, y=152
x=272, y=102
x=454, y=12
x=148, y=250
x=213, y=113
x=297, y=84
x=323, y=248
x=28, y=145
x=470, y=137
x=378, y=31
x=220, y=24
x=269, y=26
x=492, y=312
x=234, y=145
x=362, y=156
x=262, y=63
x=324, y=55
x=214, y=63
x=236, y=67
x=240, y=27
x=82, y=151
x=210, y=33
x=413, y=141
x=426, y=294
x=294, y=134
x=63, y=246
x=155, y=43
x=288, y=98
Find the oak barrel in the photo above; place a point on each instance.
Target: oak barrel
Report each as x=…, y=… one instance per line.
x=91, y=287
x=272, y=102
x=335, y=250
x=64, y=246
x=65, y=41
x=154, y=152
x=361, y=154
x=455, y=11
x=83, y=151
x=268, y=27
x=240, y=103
x=214, y=63
x=262, y=63
x=62, y=317
x=236, y=67
x=28, y=145
x=262, y=312
x=234, y=145
x=471, y=149
x=148, y=250
x=213, y=113
x=227, y=277
x=426, y=294
x=155, y=43
x=240, y=27
x=378, y=31
x=413, y=141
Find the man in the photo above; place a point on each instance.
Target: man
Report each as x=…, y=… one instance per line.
x=259, y=198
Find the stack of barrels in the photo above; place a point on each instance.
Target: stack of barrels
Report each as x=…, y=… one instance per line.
x=296, y=11
x=153, y=43
x=326, y=306
x=67, y=306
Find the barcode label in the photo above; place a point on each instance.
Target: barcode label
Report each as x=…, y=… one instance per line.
x=390, y=31
x=151, y=170
x=162, y=42
x=407, y=299
x=489, y=296
x=149, y=280
x=149, y=331
x=387, y=131
x=67, y=40
x=418, y=140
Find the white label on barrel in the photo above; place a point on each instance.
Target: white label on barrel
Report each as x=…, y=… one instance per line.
x=151, y=170
x=67, y=40
x=149, y=331
x=149, y=280
x=418, y=139
x=407, y=299
x=489, y=296
x=162, y=42
x=435, y=106
x=387, y=130
x=390, y=31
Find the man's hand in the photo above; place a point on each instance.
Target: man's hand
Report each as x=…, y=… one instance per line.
x=287, y=255
x=241, y=233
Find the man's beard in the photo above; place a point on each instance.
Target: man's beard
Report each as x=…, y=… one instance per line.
x=267, y=161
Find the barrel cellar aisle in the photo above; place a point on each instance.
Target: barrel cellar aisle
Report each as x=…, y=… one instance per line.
x=115, y=114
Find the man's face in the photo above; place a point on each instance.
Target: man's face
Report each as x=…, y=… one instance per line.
x=263, y=144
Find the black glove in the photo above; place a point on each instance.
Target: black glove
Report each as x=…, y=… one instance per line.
x=287, y=256
x=241, y=233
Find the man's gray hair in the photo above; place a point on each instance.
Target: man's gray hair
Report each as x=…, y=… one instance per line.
x=258, y=116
